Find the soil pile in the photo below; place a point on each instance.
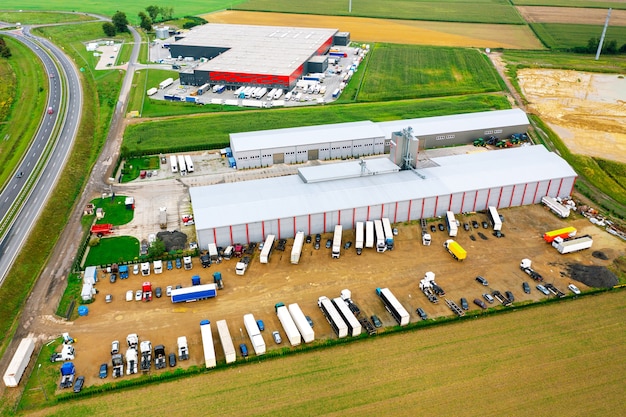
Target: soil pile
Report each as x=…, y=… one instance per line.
x=600, y=255
x=173, y=240
x=592, y=276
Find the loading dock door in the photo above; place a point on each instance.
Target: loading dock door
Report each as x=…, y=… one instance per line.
x=279, y=158
x=314, y=154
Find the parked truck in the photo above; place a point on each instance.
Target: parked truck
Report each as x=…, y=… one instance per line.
x=359, y=240
x=19, y=362
x=67, y=354
x=267, y=249
x=388, y=233
x=163, y=217
x=132, y=361
x=159, y=357
x=455, y=249
x=572, y=245
x=369, y=234
x=381, y=245
x=296, y=251
x=157, y=266
x=146, y=355
x=68, y=371
x=102, y=229
x=194, y=293
x=564, y=233
x=117, y=365
x=217, y=279
x=393, y=306
x=166, y=83
x=258, y=344
x=336, y=248
x=207, y=344
x=308, y=335
x=187, y=264
x=525, y=266
x=426, y=286
x=145, y=269
x=227, y=342
x=212, y=248
x=123, y=271
x=288, y=324
x=183, y=349
x=242, y=266
x=146, y=289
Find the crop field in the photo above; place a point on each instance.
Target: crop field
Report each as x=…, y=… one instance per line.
x=211, y=131
x=402, y=71
x=561, y=36
x=571, y=15
x=41, y=18
x=617, y=4
x=581, y=62
x=500, y=11
x=531, y=361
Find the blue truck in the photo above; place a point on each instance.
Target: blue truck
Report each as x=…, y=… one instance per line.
x=68, y=371
x=123, y=271
x=194, y=293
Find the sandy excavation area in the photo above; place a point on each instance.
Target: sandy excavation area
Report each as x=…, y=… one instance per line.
x=317, y=274
x=587, y=110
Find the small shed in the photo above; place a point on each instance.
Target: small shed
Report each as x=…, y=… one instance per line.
x=99, y=213
x=87, y=292
x=88, y=211
x=91, y=275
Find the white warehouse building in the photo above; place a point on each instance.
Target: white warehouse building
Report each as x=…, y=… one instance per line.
x=352, y=140
x=320, y=197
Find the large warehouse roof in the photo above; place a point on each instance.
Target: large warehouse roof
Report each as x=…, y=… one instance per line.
x=257, y=49
x=284, y=197
x=299, y=136
x=457, y=123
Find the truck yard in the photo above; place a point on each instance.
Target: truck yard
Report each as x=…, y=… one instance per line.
x=316, y=274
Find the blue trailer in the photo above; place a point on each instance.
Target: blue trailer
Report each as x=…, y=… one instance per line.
x=231, y=162
x=338, y=54
x=190, y=99
x=194, y=293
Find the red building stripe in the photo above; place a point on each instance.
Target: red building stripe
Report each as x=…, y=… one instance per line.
x=408, y=217
x=436, y=204
x=524, y=194
x=558, y=192
x=463, y=202
x=500, y=197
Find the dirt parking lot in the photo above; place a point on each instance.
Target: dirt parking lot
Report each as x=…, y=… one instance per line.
x=317, y=274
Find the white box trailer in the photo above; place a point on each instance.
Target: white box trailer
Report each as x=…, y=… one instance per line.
x=207, y=344
x=336, y=251
x=166, y=83
x=258, y=344
x=369, y=234
x=152, y=91
x=381, y=246
x=358, y=242
x=227, y=342
x=19, y=362
x=267, y=249
x=293, y=335
x=572, y=245
x=296, y=251
x=212, y=247
x=556, y=207
x=174, y=164
x=496, y=222
x=182, y=166
x=451, y=224
x=354, y=327
x=305, y=329
x=189, y=164
x=332, y=316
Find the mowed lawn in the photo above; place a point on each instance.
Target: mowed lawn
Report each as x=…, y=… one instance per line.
x=404, y=71
x=564, y=358
x=561, y=36
x=500, y=11
x=113, y=249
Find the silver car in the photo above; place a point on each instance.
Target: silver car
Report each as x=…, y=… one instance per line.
x=277, y=337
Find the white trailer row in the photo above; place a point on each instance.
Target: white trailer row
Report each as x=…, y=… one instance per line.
x=289, y=326
x=19, y=362
x=575, y=244
x=333, y=317
x=381, y=246
x=296, y=251
x=258, y=344
x=354, y=327
x=305, y=329
x=267, y=249
x=207, y=344
x=494, y=216
x=227, y=342
x=359, y=241
x=182, y=164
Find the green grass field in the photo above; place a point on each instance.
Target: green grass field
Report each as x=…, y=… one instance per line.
x=563, y=36
x=396, y=72
x=115, y=211
x=572, y=3
x=212, y=131
x=143, y=80
x=113, y=249
x=500, y=11
x=133, y=167
x=565, y=356
x=552, y=59
x=42, y=18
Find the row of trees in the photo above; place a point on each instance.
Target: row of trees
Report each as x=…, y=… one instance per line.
x=119, y=21
x=608, y=47
x=5, y=52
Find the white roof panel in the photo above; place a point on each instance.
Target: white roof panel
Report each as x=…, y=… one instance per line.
x=351, y=169
x=283, y=197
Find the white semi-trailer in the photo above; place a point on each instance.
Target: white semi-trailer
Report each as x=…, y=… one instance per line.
x=496, y=222
x=258, y=344
x=337, y=242
x=369, y=234
x=189, y=164
x=354, y=327
x=182, y=166
x=19, y=362
x=207, y=344
x=572, y=245
x=227, y=342
x=556, y=207
x=451, y=223
x=388, y=232
x=166, y=83
x=393, y=306
x=174, y=164
x=267, y=249
x=296, y=251
x=288, y=324
x=333, y=317
x=358, y=242
x=381, y=246
x=308, y=335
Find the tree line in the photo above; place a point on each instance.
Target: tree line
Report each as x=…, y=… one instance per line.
x=151, y=15
x=608, y=47
x=5, y=52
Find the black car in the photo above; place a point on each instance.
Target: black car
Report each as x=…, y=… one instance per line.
x=316, y=246
x=464, y=304
x=421, y=313
x=172, y=359
x=113, y=278
x=441, y=227
x=482, y=280
x=78, y=385
x=510, y=296
x=433, y=229
x=308, y=239
x=376, y=321
x=329, y=243
x=526, y=287
x=158, y=292
x=104, y=370
x=480, y=303
x=348, y=245
x=475, y=224
x=485, y=225
x=466, y=226
x=318, y=238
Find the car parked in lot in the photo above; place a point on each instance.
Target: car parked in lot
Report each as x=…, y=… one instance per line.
x=498, y=234
x=421, y=313
x=543, y=289
x=168, y=291
x=348, y=245
x=433, y=228
x=179, y=264
x=308, y=238
x=526, y=287
x=309, y=320
x=104, y=371
x=170, y=266
x=318, y=237
x=244, y=350
x=394, y=231
x=78, y=385
x=138, y=295
x=376, y=321
x=277, y=339
x=329, y=243
x=475, y=224
x=485, y=225
x=510, y=296
x=113, y=278
x=488, y=298
x=172, y=359
x=482, y=280
x=441, y=227
x=316, y=246
x=108, y=298
x=136, y=269
x=158, y=292
x=260, y=324
x=573, y=289
x=464, y=304
x=480, y=303
x=466, y=226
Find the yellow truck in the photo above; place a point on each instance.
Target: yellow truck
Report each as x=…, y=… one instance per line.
x=455, y=250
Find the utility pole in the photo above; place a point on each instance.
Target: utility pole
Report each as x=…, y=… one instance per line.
x=606, y=24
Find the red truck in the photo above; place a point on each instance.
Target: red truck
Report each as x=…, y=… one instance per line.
x=102, y=229
x=147, y=291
